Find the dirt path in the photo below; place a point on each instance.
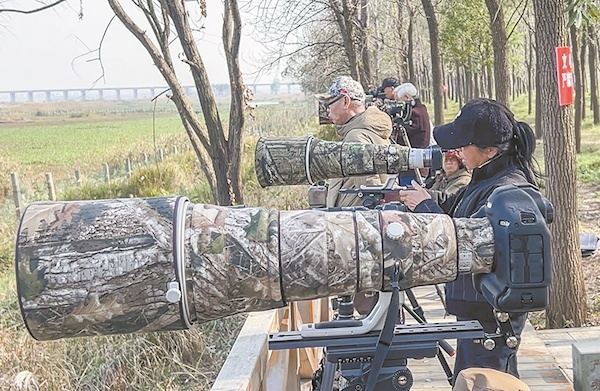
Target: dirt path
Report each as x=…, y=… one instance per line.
x=589, y=220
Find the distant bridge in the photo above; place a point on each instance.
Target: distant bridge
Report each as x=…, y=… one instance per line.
x=130, y=93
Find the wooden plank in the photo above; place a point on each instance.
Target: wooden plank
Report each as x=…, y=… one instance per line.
x=246, y=364
x=308, y=358
x=278, y=371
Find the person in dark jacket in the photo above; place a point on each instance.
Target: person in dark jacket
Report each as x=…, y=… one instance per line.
x=499, y=151
x=418, y=128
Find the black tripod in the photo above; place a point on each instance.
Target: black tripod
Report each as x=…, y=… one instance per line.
x=375, y=359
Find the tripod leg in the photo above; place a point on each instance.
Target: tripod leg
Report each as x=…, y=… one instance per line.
x=445, y=367
x=328, y=376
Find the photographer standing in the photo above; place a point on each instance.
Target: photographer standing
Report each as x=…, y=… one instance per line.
x=386, y=90
x=345, y=103
x=418, y=126
x=499, y=151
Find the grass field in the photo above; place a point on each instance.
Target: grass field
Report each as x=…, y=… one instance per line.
x=31, y=145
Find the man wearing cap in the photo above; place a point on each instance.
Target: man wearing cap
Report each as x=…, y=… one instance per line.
x=387, y=88
x=498, y=150
x=345, y=102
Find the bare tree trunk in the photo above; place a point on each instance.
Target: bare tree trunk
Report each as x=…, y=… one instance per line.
x=538, y=97
x=567, y=295
x=476, y=92
x=582, y=62
x=593, y=53
x=578, y=90
x=366, y=77
x=490, y=80
x=436, y=62
x=345, y=13
x=459, y=86
x=218, y=144
x=411, y=48
x=211, y=138
x=232, y=32
x=499, y=40
x=529, y=65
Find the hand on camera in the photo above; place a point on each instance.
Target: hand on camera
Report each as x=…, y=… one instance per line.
x=413, y=197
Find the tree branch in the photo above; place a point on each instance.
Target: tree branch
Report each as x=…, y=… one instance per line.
x=16, y=11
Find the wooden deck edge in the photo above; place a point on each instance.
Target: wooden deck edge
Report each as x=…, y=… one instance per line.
x=250, y=366
x=247, y=362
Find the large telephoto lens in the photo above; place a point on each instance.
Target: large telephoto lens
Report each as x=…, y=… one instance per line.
x=302, y=161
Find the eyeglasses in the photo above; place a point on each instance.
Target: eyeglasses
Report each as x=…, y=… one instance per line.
x=339, y=97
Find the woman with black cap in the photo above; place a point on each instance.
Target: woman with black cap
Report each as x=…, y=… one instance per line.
x=499, y=151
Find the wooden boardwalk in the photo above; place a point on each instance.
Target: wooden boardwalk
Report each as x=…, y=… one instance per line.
x=537, y=366
x=559, y=341
x=545, y=362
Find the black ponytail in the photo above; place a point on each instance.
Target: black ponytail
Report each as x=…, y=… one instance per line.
x=524, y=148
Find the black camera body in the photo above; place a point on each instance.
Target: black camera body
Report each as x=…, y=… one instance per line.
x=521, y=278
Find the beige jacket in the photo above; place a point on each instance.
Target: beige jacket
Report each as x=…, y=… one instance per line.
x=452, y=183
x=372, y=126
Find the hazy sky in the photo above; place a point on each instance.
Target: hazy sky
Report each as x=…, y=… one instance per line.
x=47, y=50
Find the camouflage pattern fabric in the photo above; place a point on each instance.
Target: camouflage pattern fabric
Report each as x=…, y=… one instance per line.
x=345, y=85
x=96, y=267
x=283, y=161
x=104, y=267
x=232, y=258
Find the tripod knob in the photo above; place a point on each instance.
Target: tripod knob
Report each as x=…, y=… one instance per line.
x=402, y=380
x=512, y=342
x=395, y=231
x=489, y=344
x=502, y=316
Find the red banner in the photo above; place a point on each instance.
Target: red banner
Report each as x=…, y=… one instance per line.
x=565, y=75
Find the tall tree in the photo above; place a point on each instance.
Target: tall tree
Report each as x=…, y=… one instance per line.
x=219, y=155
x=499, y=41
x=577, y=82
x=593, y=66
x=436, y=61
x=567, y=295
x=283, y=25
x=465, y=40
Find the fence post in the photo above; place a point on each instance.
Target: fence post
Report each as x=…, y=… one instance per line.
x=106, y=173
x=174, y=149
x=50, y=184
x=77, y=177
x=128, y=167
x=160, y=155
x=145, y=159
x=16, y=193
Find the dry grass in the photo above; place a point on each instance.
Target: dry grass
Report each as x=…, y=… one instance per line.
x=184, y=360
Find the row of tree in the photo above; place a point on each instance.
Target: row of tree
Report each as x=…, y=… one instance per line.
x=479, y=48
x=487, y=47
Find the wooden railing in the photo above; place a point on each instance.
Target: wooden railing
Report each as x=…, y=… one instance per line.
x=251, y=366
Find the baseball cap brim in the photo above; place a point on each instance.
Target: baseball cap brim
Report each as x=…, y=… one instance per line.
x=448, y=137
x=324, y=96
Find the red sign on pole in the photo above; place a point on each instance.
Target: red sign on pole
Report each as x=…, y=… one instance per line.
x=565, y=75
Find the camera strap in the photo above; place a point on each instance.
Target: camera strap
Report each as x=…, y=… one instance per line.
x=387, y=332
